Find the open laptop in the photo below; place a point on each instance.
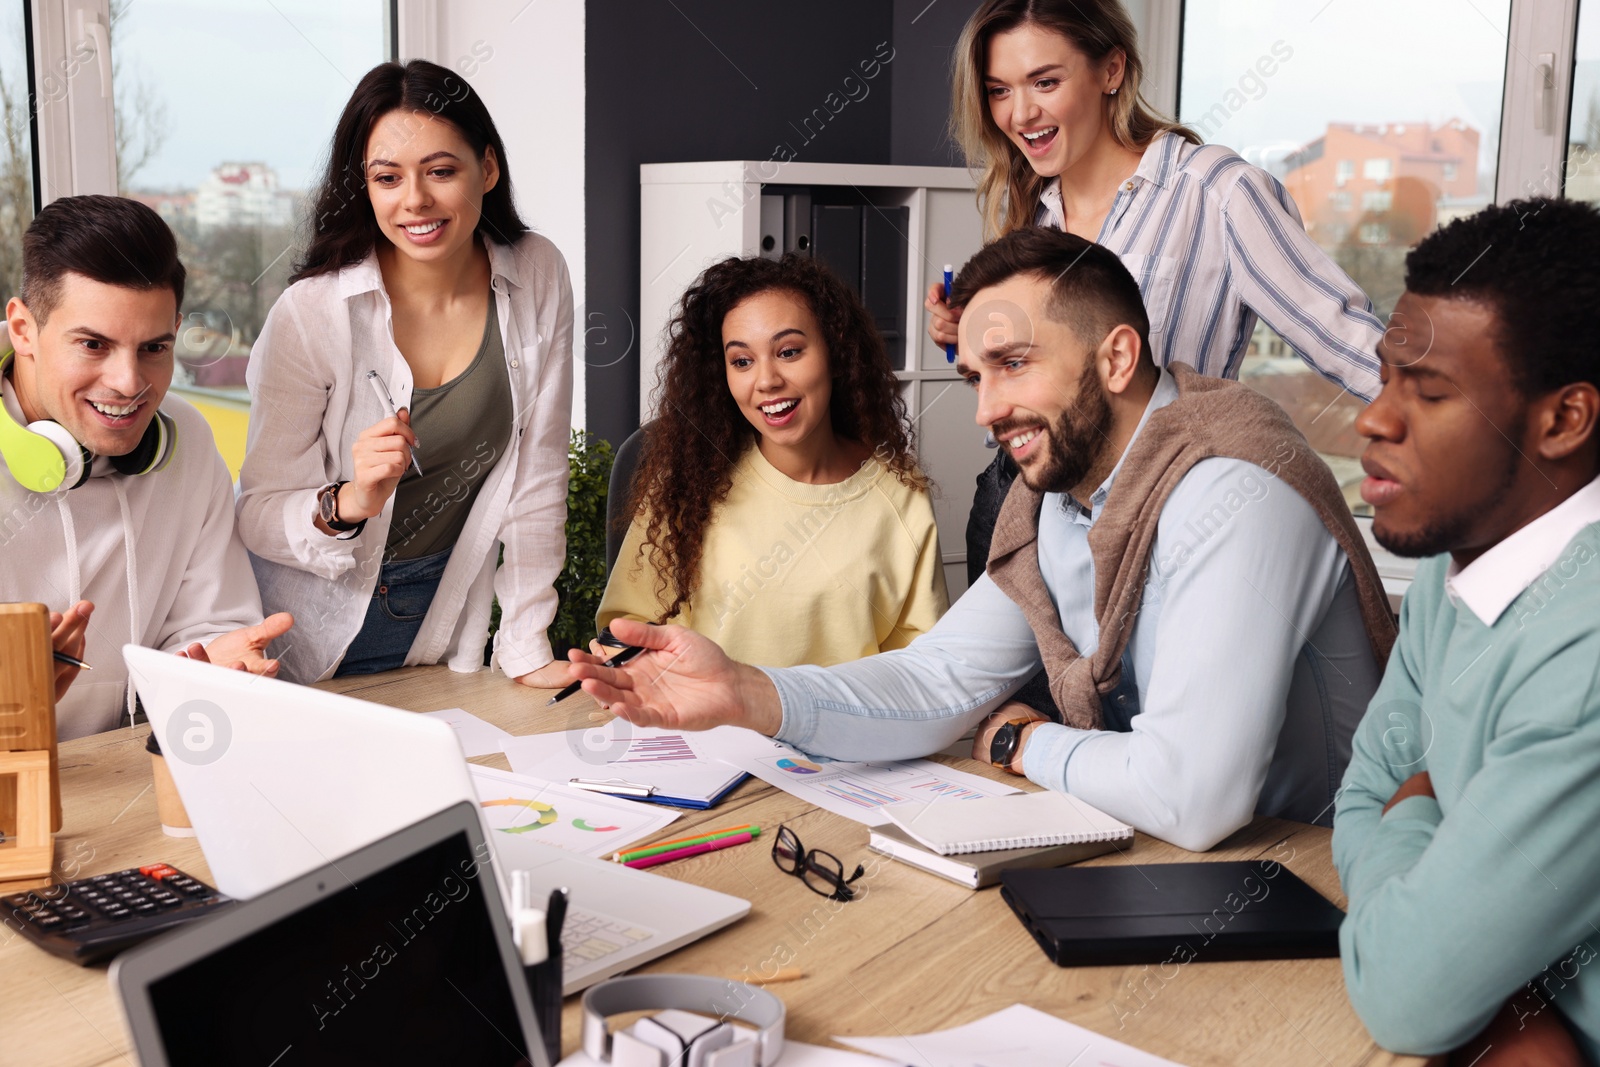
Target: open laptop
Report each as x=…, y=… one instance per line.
x=399, y=953
x=280, y=779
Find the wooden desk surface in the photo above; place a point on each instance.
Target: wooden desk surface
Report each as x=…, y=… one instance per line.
x=914, y=953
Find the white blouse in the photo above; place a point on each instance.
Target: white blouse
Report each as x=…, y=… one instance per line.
x=309, y=402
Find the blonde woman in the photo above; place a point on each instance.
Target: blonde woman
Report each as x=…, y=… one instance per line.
x=1046, y=106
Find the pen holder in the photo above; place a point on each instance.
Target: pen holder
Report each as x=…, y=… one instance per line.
x=545, y=978
x=544, y=983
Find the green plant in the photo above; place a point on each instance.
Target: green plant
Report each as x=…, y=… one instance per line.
x=583, y=578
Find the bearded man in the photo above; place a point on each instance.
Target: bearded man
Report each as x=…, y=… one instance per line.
x=1174, y=554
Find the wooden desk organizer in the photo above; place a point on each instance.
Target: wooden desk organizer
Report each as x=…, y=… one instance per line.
x=30, y=777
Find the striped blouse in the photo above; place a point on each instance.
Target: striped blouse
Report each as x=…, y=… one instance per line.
x=1214, y=243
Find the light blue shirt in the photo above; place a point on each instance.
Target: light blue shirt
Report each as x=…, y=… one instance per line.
x=1246, y=674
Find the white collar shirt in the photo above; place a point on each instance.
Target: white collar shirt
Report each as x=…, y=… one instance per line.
x=309, y=402
x=1489, y=584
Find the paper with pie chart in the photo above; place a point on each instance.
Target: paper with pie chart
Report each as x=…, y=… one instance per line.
x=858, y=791
x=520, y=806
x=668, y=761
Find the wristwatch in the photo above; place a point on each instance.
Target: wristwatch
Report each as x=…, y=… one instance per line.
x=1003, y=746
x=328, y=509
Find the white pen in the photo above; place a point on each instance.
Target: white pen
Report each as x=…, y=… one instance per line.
x=388, y=401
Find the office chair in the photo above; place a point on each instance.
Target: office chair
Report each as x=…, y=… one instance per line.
x=619, y=494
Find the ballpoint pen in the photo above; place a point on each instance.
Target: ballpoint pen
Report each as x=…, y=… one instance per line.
x=71, y=661
x=613, y=786
x=627, y=653
x=949, y=280
x=387, y=401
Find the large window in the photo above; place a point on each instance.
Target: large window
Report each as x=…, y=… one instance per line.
x=16, y=147
x=224, y=112
x=1383, y=122
x=1583, y=133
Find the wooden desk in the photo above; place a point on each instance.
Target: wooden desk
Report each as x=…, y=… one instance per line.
x=914, y=953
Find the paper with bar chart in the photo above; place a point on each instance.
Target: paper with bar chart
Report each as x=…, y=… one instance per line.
x=517, y=805
x=858, y=791
x=666, y=761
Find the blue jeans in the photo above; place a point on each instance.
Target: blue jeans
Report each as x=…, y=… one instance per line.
x=395, y=614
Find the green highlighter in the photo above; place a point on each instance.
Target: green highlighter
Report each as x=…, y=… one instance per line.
x=687, y=842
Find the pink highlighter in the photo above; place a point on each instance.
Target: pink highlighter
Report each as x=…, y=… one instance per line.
x=690, y=850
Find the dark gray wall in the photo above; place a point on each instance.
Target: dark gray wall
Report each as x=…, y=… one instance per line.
x=924, y=39
x=680, y=80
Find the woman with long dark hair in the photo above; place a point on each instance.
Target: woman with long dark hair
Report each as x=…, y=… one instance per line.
x=411, y=396
x=778, y=508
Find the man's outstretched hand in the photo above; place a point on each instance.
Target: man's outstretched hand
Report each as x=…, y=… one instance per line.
x=685, y=682
x=244, y=649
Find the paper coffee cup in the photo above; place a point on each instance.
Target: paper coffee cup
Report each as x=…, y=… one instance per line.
x=169, y=805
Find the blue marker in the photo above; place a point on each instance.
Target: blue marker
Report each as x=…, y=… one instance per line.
x=949, y=279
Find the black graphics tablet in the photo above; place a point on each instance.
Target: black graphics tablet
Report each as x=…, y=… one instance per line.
x=1177, y=912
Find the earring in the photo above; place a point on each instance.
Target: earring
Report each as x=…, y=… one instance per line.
x=1113, y=92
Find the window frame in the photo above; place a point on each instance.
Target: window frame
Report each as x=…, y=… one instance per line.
x=74, y=127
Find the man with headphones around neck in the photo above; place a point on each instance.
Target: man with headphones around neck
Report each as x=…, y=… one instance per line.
x=113, y=498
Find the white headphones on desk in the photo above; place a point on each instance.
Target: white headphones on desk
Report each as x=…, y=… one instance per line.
x=672, y=1040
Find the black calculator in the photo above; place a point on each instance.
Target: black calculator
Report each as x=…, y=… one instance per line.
x=95, y=918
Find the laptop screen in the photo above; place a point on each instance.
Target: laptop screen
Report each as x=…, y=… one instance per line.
x=402, y=967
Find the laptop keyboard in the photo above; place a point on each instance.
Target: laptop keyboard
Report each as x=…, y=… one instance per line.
x=587, y=937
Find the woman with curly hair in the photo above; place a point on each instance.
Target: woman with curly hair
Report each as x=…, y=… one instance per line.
x=777, y=507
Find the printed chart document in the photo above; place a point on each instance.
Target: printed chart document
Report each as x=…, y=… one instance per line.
x=567, y=818
x=670, y=762
x=858, y=791
x=1019, y=1036
x=478, y=738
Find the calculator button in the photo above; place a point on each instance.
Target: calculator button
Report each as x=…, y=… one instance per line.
x=47, y=921
x=118, y=913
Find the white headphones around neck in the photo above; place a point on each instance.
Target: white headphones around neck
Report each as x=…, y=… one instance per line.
x=673, y=1039
x=44, y=456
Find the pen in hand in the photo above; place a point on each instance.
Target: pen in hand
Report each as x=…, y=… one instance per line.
x=627, y=653
x=71, y=661
x=387, y=401
x=949, y=280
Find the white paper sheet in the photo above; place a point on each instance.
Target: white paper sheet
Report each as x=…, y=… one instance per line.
x=1019, y=1036
x=567, y=818
x=858, y=791
x=478, y=738
x=795, y=1054
x=671, y=761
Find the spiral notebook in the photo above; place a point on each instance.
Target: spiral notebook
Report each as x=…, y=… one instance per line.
x=1027, y=820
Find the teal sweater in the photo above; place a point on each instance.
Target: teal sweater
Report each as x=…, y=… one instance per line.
x=1458, y=903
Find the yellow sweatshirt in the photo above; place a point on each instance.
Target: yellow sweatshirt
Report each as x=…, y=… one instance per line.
x=793, y=573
